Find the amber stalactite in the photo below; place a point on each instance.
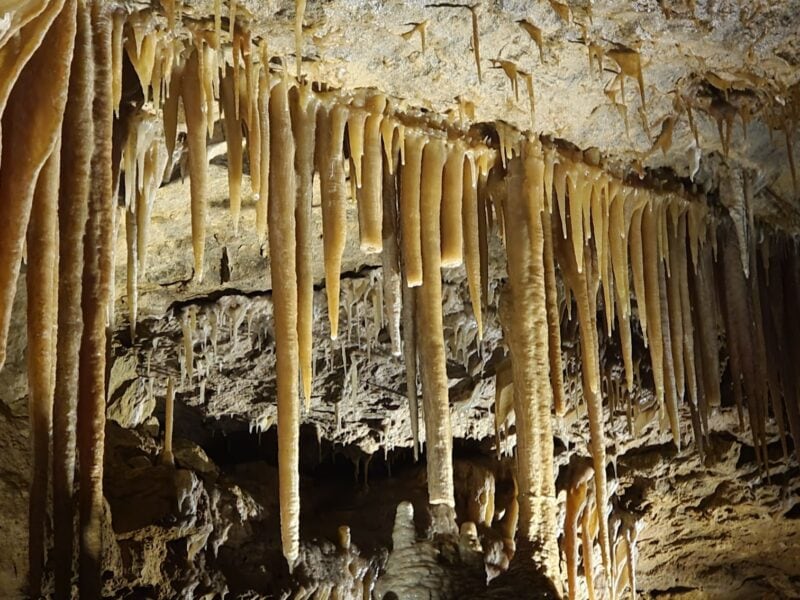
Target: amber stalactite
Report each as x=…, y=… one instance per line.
x=282, y=246
x=430, y=341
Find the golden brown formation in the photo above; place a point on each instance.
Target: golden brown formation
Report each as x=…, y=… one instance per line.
x=428, y=196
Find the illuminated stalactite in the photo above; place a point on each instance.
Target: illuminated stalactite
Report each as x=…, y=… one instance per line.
x=282, y=246
x=35, y=130
x=528, y=342
x=41, y=312
x=76, y=156
x=583, y=288
x=304, y=122
x=430, y=337
x=333, y=186
x=233, y=140
x=97, y=274
x=195, y=111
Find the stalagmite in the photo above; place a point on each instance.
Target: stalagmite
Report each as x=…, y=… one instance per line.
x=333, y=188
x=370, y=207
x=282, y=246
x=31, y=125
x=76, y=155
x=452, y=196
x=167, y=456
x=97, y=273
x=233, y=141
x=195, y=111
x=304, y=121
x=528, y=342
x=652, y=304
x=41, y=315
x=430, y=340
x=410, y=178
x=472, y=253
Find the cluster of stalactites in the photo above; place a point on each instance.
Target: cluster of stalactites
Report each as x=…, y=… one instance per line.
x=56, y=196
x=426, y=199
x=582, y=518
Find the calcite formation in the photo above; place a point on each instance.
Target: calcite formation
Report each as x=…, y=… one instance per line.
x=608, y=275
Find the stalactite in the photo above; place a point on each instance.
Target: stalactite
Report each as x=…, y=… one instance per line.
x=576, y=503
x=675, y=310
x=619, y=223
x=41, y=312
x=170, y=110
x=652, y=304
x=430, y=338
x=528, y=342
x=188, y=344
x=582, y=288
x=282, y=246
x=784, y=284
x=97, y=273
x=132, y=269
x=264, y=154
x=253, y=125
x=409, y=316
x=452, y=197
x=476, y=42
x=553, y=318
x=588, y=529
x=579, y=190
x=75, y=184
x=233, y=142
x=167, y=457
x=333, y=187
x=774, y=351
x=370, y=207
x=739, y=337
x=705, y=304
x=668, y=348
x=195, y=112
x=390, y=261
x=472, y=253
x=299, y=11
x=637, y=261
x=484, y=163
x=33, y=129
x=304, y=121
x=680, y=260
x=116, y=59
x=356, y=120
x=410, y=176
